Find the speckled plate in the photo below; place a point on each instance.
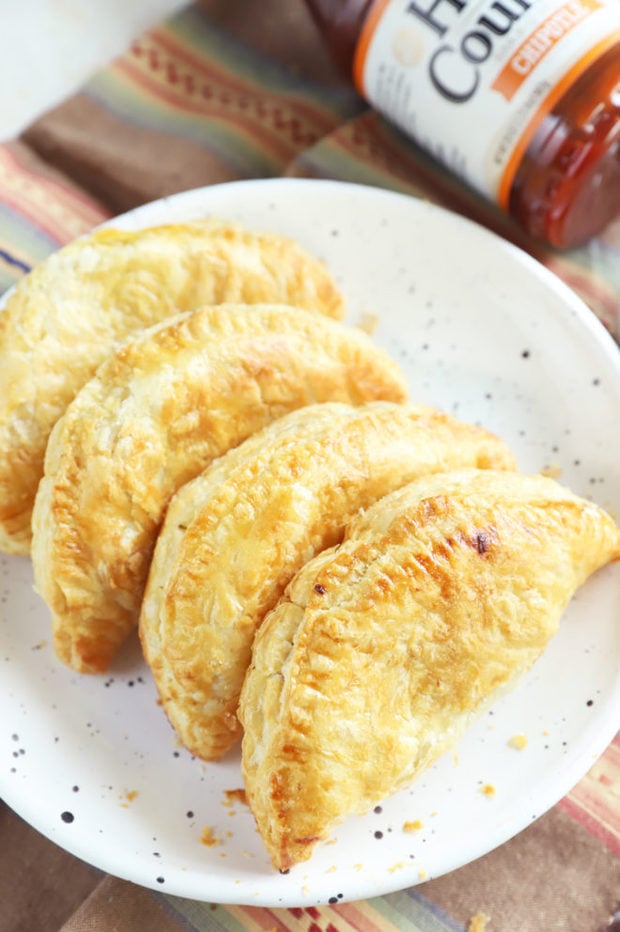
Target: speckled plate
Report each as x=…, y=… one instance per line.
x=482, y=331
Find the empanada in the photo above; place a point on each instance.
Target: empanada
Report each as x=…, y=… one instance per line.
x=67, y=315
x=235, y=535
x=383, y=649
x=158, y=411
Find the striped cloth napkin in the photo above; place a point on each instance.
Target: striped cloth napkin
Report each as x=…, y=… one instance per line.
x=222, y=94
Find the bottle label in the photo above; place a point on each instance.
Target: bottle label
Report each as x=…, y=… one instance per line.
x=471, y=80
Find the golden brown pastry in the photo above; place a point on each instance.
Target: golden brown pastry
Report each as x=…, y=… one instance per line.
x=383, y=649
x=67, y=315
x=158, y=411
x=234, y=536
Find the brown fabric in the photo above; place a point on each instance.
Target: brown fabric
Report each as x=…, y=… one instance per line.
x=123, y=165
x=40, y=884
x=286, y=34
x=553, y=877
x=118, y=906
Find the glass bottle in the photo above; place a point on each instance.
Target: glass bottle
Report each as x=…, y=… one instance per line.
x=556, y=63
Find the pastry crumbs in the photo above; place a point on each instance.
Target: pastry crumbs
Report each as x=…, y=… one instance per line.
x=368, y=322
x=208, y=838
x=478, y=923
x=235, y=796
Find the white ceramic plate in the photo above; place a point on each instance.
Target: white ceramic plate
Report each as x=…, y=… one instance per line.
x=482, y=331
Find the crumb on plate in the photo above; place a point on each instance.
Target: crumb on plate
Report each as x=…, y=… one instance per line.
x=208, y=838
x=478, y=923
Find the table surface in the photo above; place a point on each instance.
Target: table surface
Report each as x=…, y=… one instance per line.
x=51, y=47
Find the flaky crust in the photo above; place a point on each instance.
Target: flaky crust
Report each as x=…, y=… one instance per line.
x=158, y=411
x=66, y=316
x=384, y=648
x=234, y=537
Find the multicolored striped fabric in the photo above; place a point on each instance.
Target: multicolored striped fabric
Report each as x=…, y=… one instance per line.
x=40, y=210
x=209, y=93
x=409, y=911
x=218, y=94
x=595, y=802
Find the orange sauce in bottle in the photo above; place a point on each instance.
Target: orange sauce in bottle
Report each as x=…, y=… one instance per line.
x=566, y=187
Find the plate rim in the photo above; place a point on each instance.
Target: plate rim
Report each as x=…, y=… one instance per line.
x=530, y=265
